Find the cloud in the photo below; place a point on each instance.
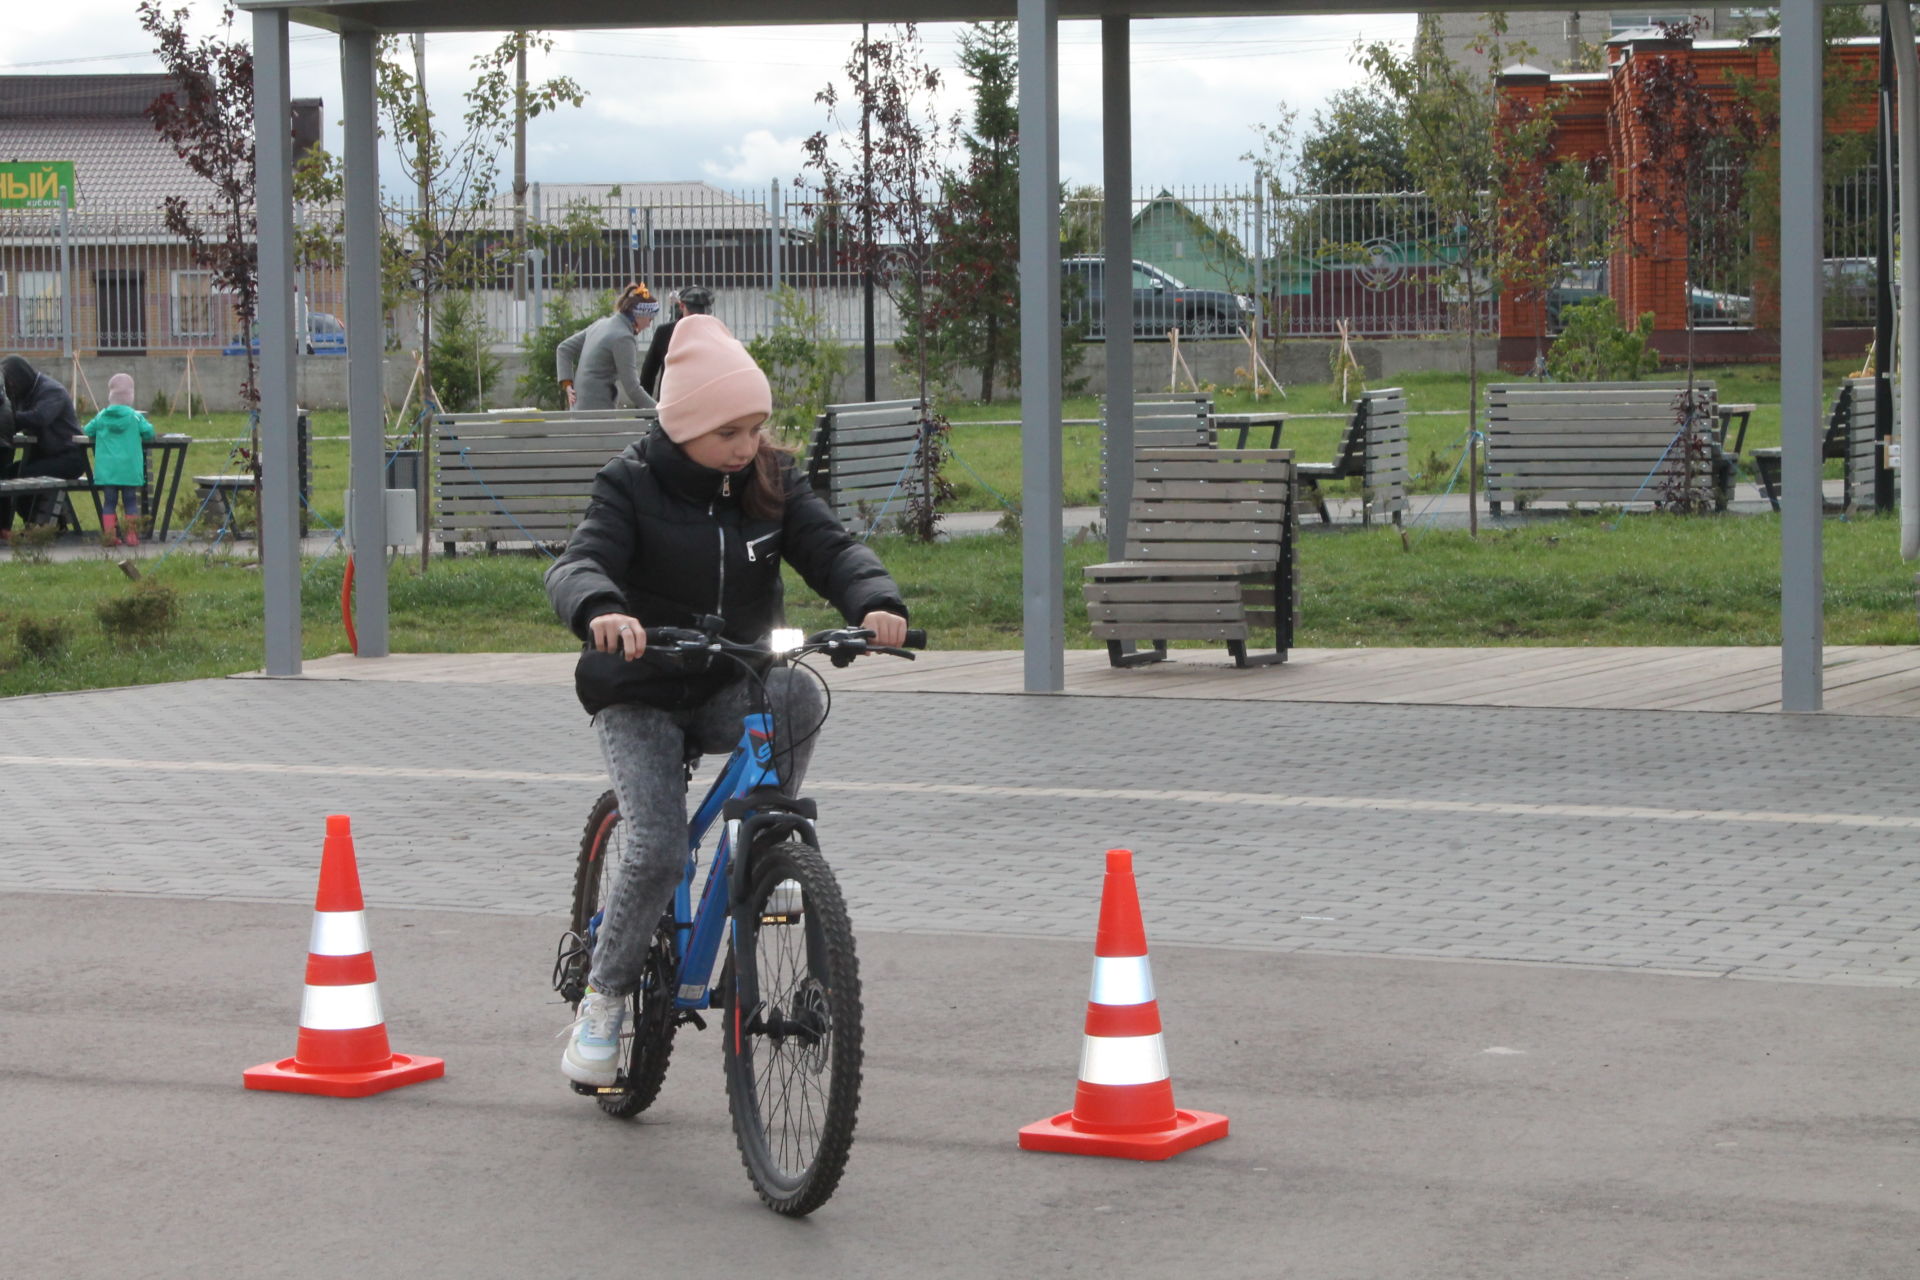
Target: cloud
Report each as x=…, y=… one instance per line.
x=758, y=158
x=731, y=104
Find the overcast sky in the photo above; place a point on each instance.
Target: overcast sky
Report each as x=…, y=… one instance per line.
x=732, y=106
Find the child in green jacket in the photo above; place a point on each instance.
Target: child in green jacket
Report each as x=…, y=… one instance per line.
x=119, y=433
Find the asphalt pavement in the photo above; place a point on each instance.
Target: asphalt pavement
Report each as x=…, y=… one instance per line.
x=1494, y=993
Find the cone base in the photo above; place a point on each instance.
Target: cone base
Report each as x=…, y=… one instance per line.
x=405, y=1069
x=1190, y=1129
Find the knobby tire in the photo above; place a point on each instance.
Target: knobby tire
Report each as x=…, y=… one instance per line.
x=793, y=1058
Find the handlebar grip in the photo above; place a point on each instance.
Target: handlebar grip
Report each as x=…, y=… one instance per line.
x=665, y=636
x=916, y=638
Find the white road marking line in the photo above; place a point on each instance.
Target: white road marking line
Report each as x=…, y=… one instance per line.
x=1487, y=808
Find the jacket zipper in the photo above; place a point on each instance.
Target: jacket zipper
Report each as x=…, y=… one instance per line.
x=720, y=601
x=754, y=543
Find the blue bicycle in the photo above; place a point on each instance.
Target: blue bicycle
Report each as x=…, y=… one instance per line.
x=790, y=985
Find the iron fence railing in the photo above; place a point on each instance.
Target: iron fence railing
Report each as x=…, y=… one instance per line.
x=1212, y=258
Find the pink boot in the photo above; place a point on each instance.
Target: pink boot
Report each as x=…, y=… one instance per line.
x=108, y=536
x=130, y=536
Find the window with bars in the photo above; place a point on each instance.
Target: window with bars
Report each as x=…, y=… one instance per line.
x=37, y=295
x=193, y=301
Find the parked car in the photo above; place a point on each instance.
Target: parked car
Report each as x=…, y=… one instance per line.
x=326, y=336
x=1852, y=290
x=1160, y=302
x=1709, y=308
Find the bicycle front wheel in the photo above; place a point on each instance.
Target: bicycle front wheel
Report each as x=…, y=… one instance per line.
x=793, y=1030
x=646, y=1042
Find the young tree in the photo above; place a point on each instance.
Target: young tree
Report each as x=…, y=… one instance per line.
x=881, y=187
x=455, y=171
x=1453, y=123
x=972, y=296
x=1694, y=147
x=881, y=209
x=208, y=120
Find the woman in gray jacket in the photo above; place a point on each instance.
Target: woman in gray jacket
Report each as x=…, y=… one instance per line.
x=602, y=361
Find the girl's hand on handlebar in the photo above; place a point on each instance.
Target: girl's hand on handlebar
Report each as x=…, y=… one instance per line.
x=889, y=629
x=618, y=633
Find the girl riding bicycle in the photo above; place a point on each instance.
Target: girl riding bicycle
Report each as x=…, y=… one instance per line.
x=693, y=519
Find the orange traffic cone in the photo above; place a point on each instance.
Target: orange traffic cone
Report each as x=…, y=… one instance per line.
x=342, y=1049
x=1124, y=1103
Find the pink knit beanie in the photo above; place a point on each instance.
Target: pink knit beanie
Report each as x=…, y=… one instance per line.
x=120, y=389
x=709, y=380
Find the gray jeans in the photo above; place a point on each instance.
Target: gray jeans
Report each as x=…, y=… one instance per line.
x=644, y=747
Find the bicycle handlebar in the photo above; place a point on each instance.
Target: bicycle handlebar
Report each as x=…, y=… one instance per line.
x=841, y=644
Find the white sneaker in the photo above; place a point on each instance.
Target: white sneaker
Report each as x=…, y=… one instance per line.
x=593, y=1051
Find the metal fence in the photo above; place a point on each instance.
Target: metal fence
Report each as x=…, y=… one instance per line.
x=116, y=280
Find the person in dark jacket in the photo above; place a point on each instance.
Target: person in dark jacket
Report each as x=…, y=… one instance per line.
x=41, y=409
x=601, y=363
x=694, y=518
x=694, y=300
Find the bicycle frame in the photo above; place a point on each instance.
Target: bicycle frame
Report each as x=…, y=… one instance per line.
x=697, y=934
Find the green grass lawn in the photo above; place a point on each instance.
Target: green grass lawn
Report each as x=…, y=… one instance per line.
x=1642, y=579
x=1637, y=580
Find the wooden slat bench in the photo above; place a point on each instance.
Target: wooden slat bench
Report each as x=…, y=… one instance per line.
x=1852, y=436
x=1210, y=538
x=522, y=475
x=1608, y=443
x=27, y=491
x=1374, y=448
x=861, y=459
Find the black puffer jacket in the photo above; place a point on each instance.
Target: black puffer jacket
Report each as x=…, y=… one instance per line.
x=659, y=541
x=43, y=409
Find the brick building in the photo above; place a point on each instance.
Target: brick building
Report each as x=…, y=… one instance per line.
x=105, y=276
x=1653, y=271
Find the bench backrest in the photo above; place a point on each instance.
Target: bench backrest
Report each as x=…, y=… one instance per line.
x=1211, y=504
x=861, y=458
x=1852, y=437
x=523, y=475
x=1164, y=420
x=1175, y=420
x=1375, y=449
x=1609, y=442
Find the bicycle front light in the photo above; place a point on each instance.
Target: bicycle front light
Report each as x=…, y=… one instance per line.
x=786, y=639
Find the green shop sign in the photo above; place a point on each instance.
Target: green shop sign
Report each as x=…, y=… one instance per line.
x=31, y=184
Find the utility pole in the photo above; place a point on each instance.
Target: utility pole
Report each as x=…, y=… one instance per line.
x=866, y=189
x=423, y=163
x=520, y=173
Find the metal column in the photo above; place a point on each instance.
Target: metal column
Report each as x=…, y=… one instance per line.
x=366, y=414
x=279, y=513
x=1042, y=559
x=1802, y=617
x=1116, y=232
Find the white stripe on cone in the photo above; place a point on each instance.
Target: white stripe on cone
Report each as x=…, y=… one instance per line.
x=339, y=933
x=1121, y=980
x=341, y=1008
x=1123, y=1059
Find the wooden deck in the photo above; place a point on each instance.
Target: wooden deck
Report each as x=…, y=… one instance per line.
x=1859, y=680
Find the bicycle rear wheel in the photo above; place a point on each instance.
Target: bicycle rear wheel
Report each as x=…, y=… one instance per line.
x=646, y=1042
x=792, y=1041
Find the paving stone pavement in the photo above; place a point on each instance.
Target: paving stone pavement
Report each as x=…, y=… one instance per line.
x=1769, y=846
